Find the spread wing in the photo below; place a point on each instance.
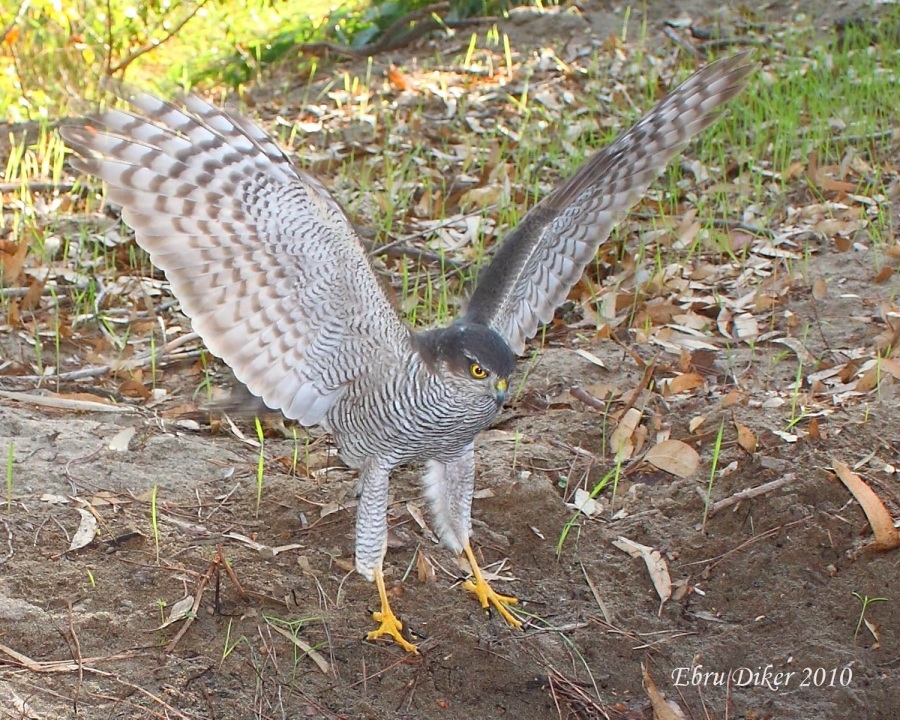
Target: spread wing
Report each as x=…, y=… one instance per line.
x=544, y=256
x=263, y=259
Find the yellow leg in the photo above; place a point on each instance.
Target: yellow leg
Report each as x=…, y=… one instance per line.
x=485, y=594
x=390, y=625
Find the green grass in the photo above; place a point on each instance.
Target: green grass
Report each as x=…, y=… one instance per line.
x=713, y=469
x=611, y=478
x=260, y=463
x=865, y=601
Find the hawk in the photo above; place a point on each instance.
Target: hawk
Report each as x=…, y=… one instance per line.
x=277, y=283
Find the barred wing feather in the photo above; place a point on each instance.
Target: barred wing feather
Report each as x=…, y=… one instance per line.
x=263, y=259
x=544, y=256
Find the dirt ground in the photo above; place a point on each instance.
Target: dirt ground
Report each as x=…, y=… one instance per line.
x=766, y=595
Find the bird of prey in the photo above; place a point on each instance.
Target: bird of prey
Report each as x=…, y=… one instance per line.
x=277, y=283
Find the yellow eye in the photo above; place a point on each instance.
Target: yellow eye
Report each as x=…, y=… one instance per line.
x=478, y=372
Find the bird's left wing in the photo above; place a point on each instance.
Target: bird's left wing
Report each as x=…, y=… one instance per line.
x=544, y=256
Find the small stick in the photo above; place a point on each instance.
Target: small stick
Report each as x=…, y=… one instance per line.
x=751, y=493
x=217, y=562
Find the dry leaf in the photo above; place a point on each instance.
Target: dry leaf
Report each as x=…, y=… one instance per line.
x=734, y=397
x=842, y=244
x=876, y=633
x=890, y=366
x=583, y=502
x=868, y=380
x=135, y=388
x=424, y=567
x=11, y=262
x=675, y=457
x=746, y=327
x=887, y=537
x=819, y=289
x=683, y=383
x=313, y=654
x=621, y=436
x=121, y=439
x=813, y=429
x=656, y=566
x=86, y=532
x=417, y=515
x=746, y=438
x=662, y=709
x=180, y=610
x=398, y=79
x=330, y=508
x=590, y=357
x=696, y=422
x=32, y=299
x=344, y=564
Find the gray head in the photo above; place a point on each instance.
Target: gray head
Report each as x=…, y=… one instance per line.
x=471, y=351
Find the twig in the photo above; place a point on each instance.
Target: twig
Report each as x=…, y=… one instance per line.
x=66, y=404
x=107, y=63
x=596, y=594
x=230, y=572
x=121, y=65
x=878, y=135
x=670, y=33
x=720, y=223
x=751, y=493
x=217, y=562
x=579, y=393
x=79, y=660
x=159, y=358
x=398, y=251
x=737, y=225
x=713, y=561
x=574, y=693
x=64, y=666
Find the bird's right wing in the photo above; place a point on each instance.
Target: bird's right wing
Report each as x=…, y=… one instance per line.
x=539, y=262
x=263, y=259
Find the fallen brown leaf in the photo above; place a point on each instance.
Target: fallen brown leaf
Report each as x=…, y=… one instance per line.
x=675, y=457
x=683, y=383
x=621, y=438
x=746, y=438
x=662, y=709
x=12, y=259
x=656, y=566
x=887, y=537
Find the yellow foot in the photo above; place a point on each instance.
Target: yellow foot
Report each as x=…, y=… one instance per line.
x=390, y=625
x=485, y=593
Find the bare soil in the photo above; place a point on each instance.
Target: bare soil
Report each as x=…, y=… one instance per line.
x=769, y=586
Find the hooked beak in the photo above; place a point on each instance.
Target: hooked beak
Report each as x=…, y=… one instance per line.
x=500, y=387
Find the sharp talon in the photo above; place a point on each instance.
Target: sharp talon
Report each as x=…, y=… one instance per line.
x=488, y=599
